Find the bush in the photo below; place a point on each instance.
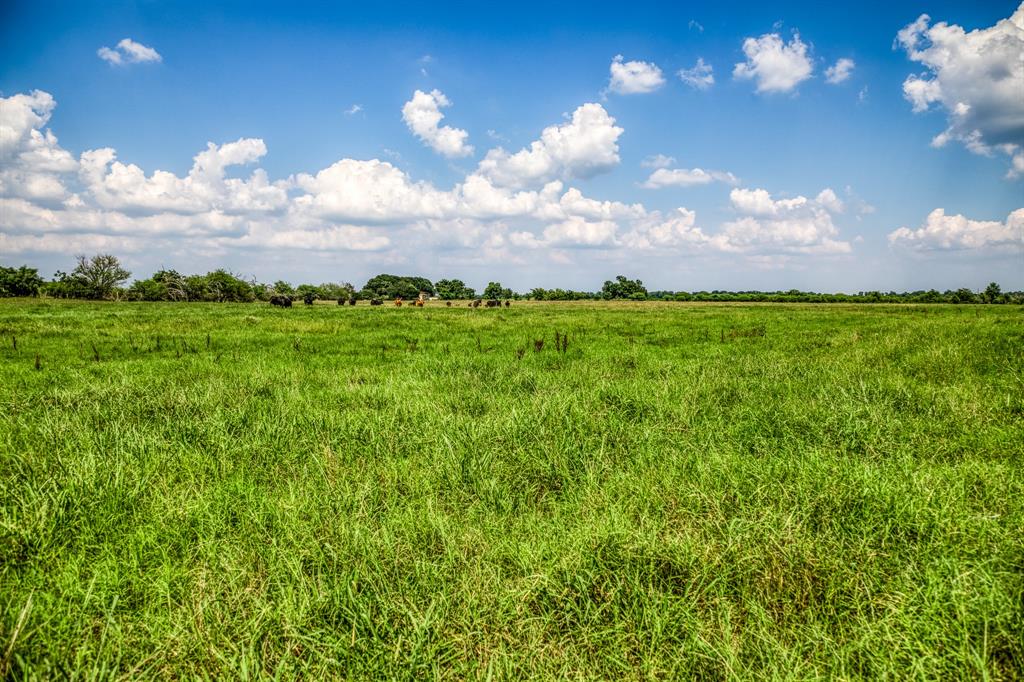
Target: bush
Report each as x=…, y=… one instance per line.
x=23, y=281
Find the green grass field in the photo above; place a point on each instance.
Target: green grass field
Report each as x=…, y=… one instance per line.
x=733, y=491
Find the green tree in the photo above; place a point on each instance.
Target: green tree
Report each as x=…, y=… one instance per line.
x=963, y=295
x=992, y=294
x=624, y=288
x=393, y=286
x=304, y=290
x=451, y=289
x=23, y=281
x=223, y=287
x=148, y=290
x=283, y=288
x=100, y=276
x=332, y=290
x=495, y=290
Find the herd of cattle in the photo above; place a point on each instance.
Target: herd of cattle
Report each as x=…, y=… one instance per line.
x=308, y=299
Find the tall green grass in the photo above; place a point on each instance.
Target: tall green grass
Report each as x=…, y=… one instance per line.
x=735, y=491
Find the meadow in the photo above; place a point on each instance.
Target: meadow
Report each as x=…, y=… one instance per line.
x=666, y=491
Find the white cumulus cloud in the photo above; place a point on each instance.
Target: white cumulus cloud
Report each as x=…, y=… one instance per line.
x=580, y=148
x=52, y=202
x=422, y=114
x=634, y=78
x=797, y=225
x=948, y=232
x=776, y=65
x=128, y=52
x=977, y=77
x=33, y=159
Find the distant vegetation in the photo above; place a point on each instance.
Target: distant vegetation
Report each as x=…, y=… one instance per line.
x=103, y=278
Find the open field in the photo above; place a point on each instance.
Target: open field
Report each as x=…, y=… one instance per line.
x=684, y=490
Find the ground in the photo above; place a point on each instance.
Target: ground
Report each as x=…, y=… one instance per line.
x=681, y=490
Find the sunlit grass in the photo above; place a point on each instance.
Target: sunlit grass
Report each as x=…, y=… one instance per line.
x=683, y=490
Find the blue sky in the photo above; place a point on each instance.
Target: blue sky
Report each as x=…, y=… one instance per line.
x=803, y=182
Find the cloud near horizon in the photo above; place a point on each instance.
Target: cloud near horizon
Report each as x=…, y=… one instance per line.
x=510, y=205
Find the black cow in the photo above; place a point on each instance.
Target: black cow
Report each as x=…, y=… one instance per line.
x=341, y=301
x=493, y=303
x=282, y=301
x=476, y=303
x=448, y=303
x=351, y=300
x=508, y=303
x=308, y=299
x=376, y=301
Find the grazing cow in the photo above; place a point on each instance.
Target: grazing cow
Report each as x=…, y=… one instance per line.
x=476, y=303
x=398, y=302
x=351, y=300
x=308, y=299
x=341, y=301
x=508, y=303
x=376, y=301
x=492, y=303
x=448, y=303
x=283, y=301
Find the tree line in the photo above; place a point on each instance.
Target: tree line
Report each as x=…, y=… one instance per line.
x=102, y=277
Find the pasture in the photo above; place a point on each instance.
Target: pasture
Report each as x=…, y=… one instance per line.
x=669, y=491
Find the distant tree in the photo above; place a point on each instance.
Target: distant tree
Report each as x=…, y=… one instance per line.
x=963, y=295
x=100, y=276
x=23, y=281
x=992, y=294
x=495, y=290
x=331, y=290
x=173, y=282
x=305, y=291
x=393, y=286
x=223, y=287
x=451, y=289
x=624, y=288
x=148, y=290
x=283, y=288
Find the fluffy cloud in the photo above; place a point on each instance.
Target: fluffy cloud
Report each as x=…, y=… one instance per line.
x=976, y=78
x=128, y=52
x=125, y=187
x=777, y=66
x=946, y=232
x=369, y=192
x=699, y=77
x=682, y=177
x=797, y=225
x=422, y=114
x=512, y=203
x=634, y=78
x=657, y=231
x=577, y=231
x=840, y=71
x=33, y=159
x=581, y=148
